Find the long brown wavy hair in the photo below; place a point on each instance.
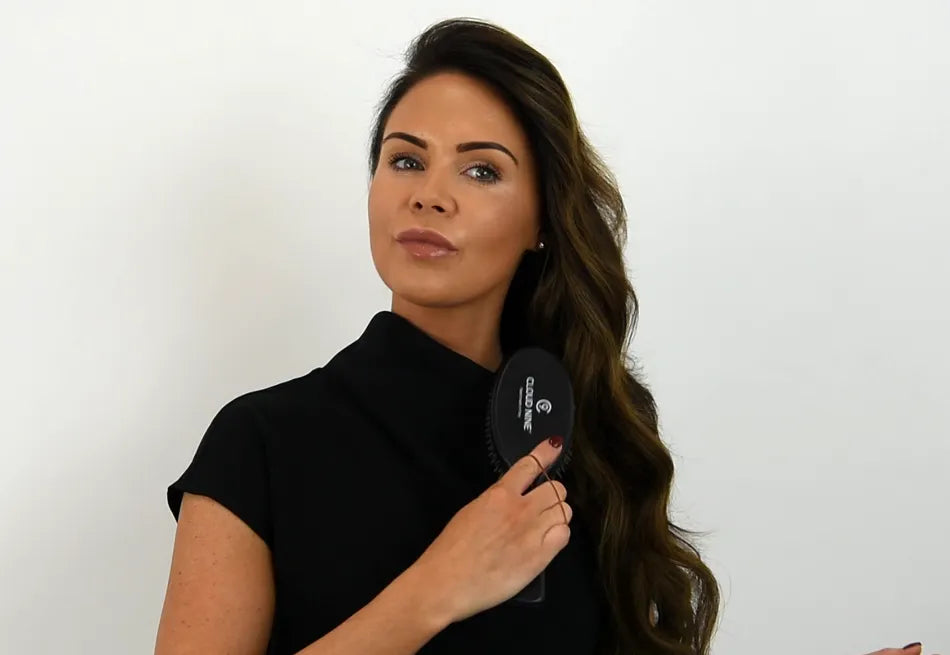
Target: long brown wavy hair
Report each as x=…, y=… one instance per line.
x=577, y=301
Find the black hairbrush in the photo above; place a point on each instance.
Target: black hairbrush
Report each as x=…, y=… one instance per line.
x=532, y=399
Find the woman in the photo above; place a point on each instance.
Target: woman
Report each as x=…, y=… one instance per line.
x=353, y=509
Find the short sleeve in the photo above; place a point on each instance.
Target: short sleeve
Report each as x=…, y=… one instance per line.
x=230, y=466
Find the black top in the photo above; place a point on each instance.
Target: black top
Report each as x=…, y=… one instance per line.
x=348, y=473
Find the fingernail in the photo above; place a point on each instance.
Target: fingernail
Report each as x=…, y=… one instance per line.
x=556, y=441
x=916, y=643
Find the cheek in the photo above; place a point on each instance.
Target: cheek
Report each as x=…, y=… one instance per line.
x=497, y=245
x=378, y=218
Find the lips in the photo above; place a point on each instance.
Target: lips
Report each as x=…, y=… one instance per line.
x=431, y=237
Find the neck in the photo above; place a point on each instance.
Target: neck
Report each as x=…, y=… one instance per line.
x=471, y=330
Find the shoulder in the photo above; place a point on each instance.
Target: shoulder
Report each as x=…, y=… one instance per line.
x=248, y=426
x=235, y=458
x=278, y=402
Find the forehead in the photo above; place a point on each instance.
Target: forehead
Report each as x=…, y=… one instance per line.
x=453, y=107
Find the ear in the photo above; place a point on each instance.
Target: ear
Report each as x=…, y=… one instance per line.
x=539, y=239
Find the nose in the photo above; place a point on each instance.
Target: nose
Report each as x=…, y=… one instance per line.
x=430, y=194
x=420, y=204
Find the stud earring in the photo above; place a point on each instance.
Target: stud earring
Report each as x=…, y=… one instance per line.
x=540, y=245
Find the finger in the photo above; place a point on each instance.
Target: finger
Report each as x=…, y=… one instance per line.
x=909, y=649
x=553, y=540
x=548, y=494
x=527, y=469
x=560, y=513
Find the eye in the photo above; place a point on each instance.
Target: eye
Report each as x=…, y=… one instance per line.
x=398, y=157
x=490, y=174
x=492, y=171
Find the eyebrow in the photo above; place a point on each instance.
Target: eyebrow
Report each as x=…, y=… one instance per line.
x=462, y=147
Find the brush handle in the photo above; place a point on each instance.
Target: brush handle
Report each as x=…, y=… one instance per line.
x=533, y=593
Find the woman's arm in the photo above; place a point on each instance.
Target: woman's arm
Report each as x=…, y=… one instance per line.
x=220, y=596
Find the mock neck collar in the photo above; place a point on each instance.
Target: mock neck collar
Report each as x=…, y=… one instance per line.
x=422, y=395
x=393, y=341
x=408, y=376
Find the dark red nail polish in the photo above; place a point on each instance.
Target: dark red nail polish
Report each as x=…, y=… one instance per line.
x=916, y=643
x=556, y=441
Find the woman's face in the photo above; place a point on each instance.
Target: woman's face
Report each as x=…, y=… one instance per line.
x=480, y=199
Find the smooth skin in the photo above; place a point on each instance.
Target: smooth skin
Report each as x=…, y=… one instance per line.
x=489, y=212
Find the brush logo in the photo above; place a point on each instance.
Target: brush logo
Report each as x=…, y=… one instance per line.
x=543, y=405
x=528, y=400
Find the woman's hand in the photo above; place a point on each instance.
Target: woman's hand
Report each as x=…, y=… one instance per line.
x=494, y=546
x=910, y=649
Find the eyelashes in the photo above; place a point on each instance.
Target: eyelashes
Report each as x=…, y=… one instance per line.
x=494, y=179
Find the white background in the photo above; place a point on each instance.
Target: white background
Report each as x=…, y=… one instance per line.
x=182, y=196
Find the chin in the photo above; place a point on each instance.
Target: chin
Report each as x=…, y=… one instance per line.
x=425, y=295
x=426, y=284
